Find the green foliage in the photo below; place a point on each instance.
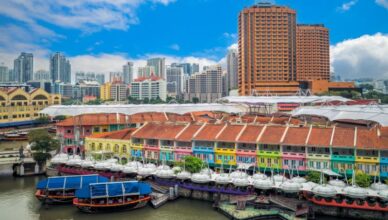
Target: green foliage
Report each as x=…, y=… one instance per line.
x=315, y=176
x=195, y=100
x=95, y=102
x=362, y=179
x=346, y=94
x=368, y=87
x=59, y=118
x=377, y=95
x=43, y=120
x=42, y=142
x=191, y=164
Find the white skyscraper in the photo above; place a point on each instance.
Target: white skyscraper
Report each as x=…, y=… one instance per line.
x=175, y=81
x=4, y=73
x=128, y=72
x=145, y=71
x=42, y=75
x=232, y=69
x=24, y=68
x=206, y=86
x=159, y=65
x=60, y=68
x=150, y=88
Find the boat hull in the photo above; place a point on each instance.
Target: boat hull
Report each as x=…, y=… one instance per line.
x=52, y=200
x=96, y=208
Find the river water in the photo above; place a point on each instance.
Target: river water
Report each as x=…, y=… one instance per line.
x=17, y=201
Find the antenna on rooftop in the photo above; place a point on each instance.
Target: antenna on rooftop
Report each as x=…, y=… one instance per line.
x=264, y=2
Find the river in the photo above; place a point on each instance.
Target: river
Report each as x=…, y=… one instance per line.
x=17, y=201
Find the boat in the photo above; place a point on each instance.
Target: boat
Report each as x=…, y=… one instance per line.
x=113, y=196
x=61, y=189
x=15, y=137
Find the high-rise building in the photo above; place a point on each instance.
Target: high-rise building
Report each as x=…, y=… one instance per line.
x=175, y=81
x=267, y=50
x=24, y=68
x=105, y=91
x=313, y=52
x=206, y=86
x=60, y=68
x=119, y=92
x=4, y=73
x=195, y=68
x=232, y=69
x=145, y=71
x=128, y=72
x=151, y=88
x=115, y=77
x=42, y=75
x=159, y=65
x=82, y=76
x=86, y=88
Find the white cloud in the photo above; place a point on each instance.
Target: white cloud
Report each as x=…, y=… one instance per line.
x=348, y=5
x=363, y=57
x=86, y=15
x=383, y=3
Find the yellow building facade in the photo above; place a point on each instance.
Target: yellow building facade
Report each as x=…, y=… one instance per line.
x=105, y=91
x=18, y=106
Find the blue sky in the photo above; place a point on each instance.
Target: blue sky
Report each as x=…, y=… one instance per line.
x=136, y=29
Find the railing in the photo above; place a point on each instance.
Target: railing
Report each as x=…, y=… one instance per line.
x=294, y=154
x=376, y=159
x=343, y=157
x=326, y=156
x=269, y=153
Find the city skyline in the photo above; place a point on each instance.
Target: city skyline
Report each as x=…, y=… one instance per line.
x=94, y=51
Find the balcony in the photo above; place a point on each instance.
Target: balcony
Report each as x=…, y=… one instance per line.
x=225, y=150
x=345, y=158
x=137, y=146
x=151, y=147
x=166, y=148
x=246, y=152
x=203, y=149
x=367, y=159
x=294, y=155
x=269, y=153
x=384, y=160
x=318, y=156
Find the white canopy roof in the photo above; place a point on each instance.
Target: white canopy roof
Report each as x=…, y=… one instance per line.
x=282, y=99
x=376, y=113
x=72, y=110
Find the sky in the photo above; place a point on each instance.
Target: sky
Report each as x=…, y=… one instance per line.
x=101, y=35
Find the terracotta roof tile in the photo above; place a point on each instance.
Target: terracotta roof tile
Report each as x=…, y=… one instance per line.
x=296, y=136
x=94, y=119
x=367, y=138
x=124, y=134
x=169, y=131
x=343, y=137
x=188, y=133
x=272, y=135
x=320, y=137
x=250, y=134
x=229, y=134
x=209, y=132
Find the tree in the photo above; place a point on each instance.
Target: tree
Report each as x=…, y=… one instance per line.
x=195, y=100
x=42, y=142
x=43, y=120
x=191, y=164
x=362, y=179
x=315, y=176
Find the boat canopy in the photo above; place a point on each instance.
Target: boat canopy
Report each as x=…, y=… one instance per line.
x=69, y=182
x=113, y=189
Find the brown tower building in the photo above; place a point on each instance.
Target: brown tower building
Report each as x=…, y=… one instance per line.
x=267, y=50
x=313, y=52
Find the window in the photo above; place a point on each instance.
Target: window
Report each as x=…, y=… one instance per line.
x=124, y=149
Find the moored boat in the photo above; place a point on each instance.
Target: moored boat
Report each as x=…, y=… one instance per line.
x=61, y=189
x=113, y=196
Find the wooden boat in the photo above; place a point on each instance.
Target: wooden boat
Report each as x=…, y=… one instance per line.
x=15, y=137
x=61, y=189
x=113, y=196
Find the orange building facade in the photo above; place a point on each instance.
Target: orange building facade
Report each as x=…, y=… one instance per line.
x=267, y=48
x=313, y=52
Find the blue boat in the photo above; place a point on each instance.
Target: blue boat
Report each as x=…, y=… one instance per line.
x=61, y=189
x=112, y=196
